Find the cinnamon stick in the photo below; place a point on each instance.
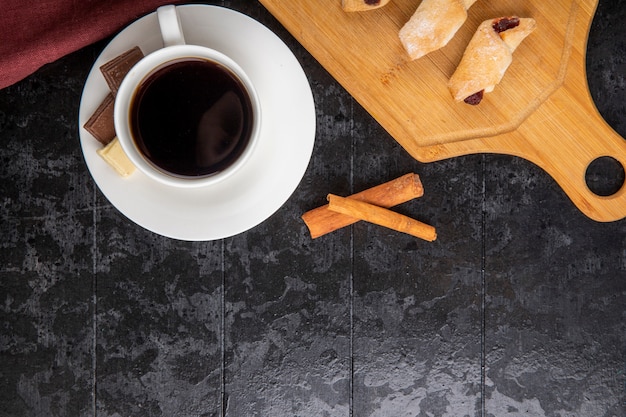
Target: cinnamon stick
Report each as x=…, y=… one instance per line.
x=321, y=220
x=382, y=217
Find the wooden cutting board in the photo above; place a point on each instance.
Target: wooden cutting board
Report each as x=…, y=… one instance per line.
x=541, y=111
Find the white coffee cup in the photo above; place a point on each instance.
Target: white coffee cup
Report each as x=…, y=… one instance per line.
x=128, y=120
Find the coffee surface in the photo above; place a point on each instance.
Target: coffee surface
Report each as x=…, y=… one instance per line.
x=191, y=118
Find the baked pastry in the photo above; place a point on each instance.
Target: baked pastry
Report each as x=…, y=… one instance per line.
x=362, y=5
x=487, y=57
x=432, y=25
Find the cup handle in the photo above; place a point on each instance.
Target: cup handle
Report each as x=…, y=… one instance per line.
x=171, y=29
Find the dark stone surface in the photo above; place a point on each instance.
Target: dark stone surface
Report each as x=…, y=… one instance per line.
x=519, y=307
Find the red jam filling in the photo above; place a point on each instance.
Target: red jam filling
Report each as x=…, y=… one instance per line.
x=505, y=23
x=475, y=99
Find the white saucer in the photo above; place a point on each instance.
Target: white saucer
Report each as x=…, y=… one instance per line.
x=261, y=187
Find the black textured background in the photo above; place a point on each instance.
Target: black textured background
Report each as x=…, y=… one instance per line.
x=518, y=309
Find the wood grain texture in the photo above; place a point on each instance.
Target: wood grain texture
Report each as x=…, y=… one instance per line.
x=541, y=111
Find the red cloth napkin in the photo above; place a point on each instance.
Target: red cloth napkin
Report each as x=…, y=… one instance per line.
x=34, y=33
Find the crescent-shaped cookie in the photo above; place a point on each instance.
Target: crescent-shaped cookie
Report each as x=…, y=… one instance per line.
x=433, y=25
x=488, y=56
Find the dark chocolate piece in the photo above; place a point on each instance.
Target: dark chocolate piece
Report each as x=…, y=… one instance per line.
x=101, y=124
x=116, y=69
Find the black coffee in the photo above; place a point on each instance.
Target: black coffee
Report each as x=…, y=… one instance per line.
x=191, y=118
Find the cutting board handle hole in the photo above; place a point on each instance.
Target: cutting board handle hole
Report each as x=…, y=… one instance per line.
x=605, y=176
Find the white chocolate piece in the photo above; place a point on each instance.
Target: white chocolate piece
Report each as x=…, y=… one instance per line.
x=114, y=155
